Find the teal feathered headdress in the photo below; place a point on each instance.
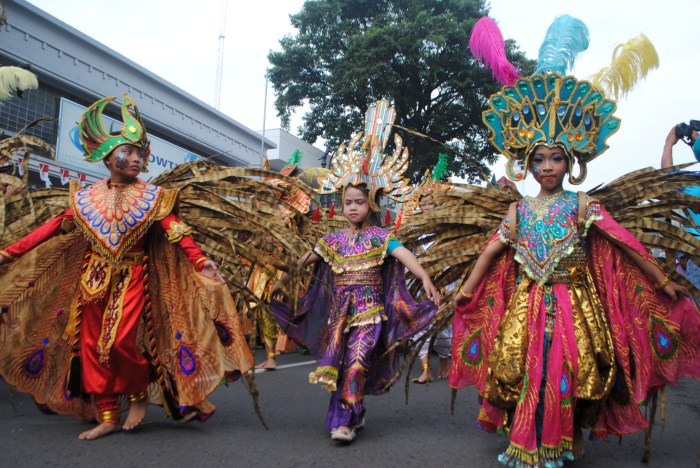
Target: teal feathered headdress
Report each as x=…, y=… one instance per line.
x=555, y=109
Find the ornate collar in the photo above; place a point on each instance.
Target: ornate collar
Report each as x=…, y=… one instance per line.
x=114, y=216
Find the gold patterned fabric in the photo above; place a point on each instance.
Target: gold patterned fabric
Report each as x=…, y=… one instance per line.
x=507, y=362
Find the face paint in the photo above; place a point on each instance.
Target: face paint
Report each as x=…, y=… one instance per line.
x=536, y=170
x=121, y=162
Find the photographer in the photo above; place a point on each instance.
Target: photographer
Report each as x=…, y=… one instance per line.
x=689, y=133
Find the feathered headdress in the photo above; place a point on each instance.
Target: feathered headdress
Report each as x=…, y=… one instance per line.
x=551, y=108
x=98, y=143
x=366, y=163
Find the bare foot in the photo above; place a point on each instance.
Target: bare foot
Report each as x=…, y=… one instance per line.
x=444, y=371
x=101, y=430
x=423, y=378
x=137, y=411
x=269, y=364
x=578, y=448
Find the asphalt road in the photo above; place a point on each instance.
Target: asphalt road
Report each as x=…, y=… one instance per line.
x=422, y=433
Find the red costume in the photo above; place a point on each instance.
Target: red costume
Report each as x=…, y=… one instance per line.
x=99, y=303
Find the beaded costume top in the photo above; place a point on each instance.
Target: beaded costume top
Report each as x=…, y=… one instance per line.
x=547, y=231
x=353, y=249
x=114, y=217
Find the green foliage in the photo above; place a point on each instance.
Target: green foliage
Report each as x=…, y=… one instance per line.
x=348, y=53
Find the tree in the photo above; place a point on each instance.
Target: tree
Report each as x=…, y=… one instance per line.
x=348, y=53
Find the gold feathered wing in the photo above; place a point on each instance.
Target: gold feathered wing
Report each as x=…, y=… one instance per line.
x=651, y=205
x=233, y=212
x=447, y=241
x=37, y=298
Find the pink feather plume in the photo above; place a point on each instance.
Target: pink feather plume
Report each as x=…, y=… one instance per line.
x=488, y=47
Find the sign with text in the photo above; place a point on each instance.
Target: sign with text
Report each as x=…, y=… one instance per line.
x=69, y=150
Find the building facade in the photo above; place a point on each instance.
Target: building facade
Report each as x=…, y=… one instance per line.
x=74, y=70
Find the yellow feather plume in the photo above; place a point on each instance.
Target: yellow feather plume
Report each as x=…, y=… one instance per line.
x=630, y=63
x=311, y=175
x=14, y=79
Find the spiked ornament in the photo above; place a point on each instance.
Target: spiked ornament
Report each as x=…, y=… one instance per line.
x=366, y=163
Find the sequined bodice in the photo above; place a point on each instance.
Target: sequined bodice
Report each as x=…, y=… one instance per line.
x=547, y=234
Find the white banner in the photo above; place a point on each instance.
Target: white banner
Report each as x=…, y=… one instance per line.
x=69, y=150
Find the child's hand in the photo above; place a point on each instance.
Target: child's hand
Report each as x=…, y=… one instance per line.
x=675, y=291
x=462, y=298
x=431, y=291
x=210, y=270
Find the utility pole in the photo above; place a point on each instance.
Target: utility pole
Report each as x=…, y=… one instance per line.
x=262, y=140
x=220, y=56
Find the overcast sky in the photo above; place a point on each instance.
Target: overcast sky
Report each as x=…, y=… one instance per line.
x=177, y=40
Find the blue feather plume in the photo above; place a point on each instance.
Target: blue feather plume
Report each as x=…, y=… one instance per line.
x=565, y=39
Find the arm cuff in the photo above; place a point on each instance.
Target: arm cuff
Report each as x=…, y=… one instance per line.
x=176, y=231
x=198, y=265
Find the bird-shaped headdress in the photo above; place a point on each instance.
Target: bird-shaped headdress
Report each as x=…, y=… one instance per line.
x=98, y=143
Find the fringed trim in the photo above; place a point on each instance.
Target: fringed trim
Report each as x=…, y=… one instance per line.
x=555, y=456
x=326, y=376
x=548, y=457
x=548, y=272
x=519, y=456
x=368, y=317
x=113, y=257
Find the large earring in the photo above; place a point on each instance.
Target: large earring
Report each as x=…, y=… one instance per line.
x=583, y=171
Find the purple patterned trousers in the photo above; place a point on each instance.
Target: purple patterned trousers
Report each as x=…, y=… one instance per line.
x=347, y=402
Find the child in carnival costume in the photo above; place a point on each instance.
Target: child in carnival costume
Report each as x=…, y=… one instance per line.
x=357, y=305
x=566, y=321
x=113, y=297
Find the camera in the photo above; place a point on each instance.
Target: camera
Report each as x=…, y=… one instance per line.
x=685, y=131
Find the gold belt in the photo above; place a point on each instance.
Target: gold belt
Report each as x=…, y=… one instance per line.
x=358, y=278
x=129, y=258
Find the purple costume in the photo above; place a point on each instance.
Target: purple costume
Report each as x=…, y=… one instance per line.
x=356, y=307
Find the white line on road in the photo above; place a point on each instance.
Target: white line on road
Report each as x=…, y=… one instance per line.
x=287, y=366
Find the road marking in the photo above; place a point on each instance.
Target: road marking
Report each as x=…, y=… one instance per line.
x=287, y=366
